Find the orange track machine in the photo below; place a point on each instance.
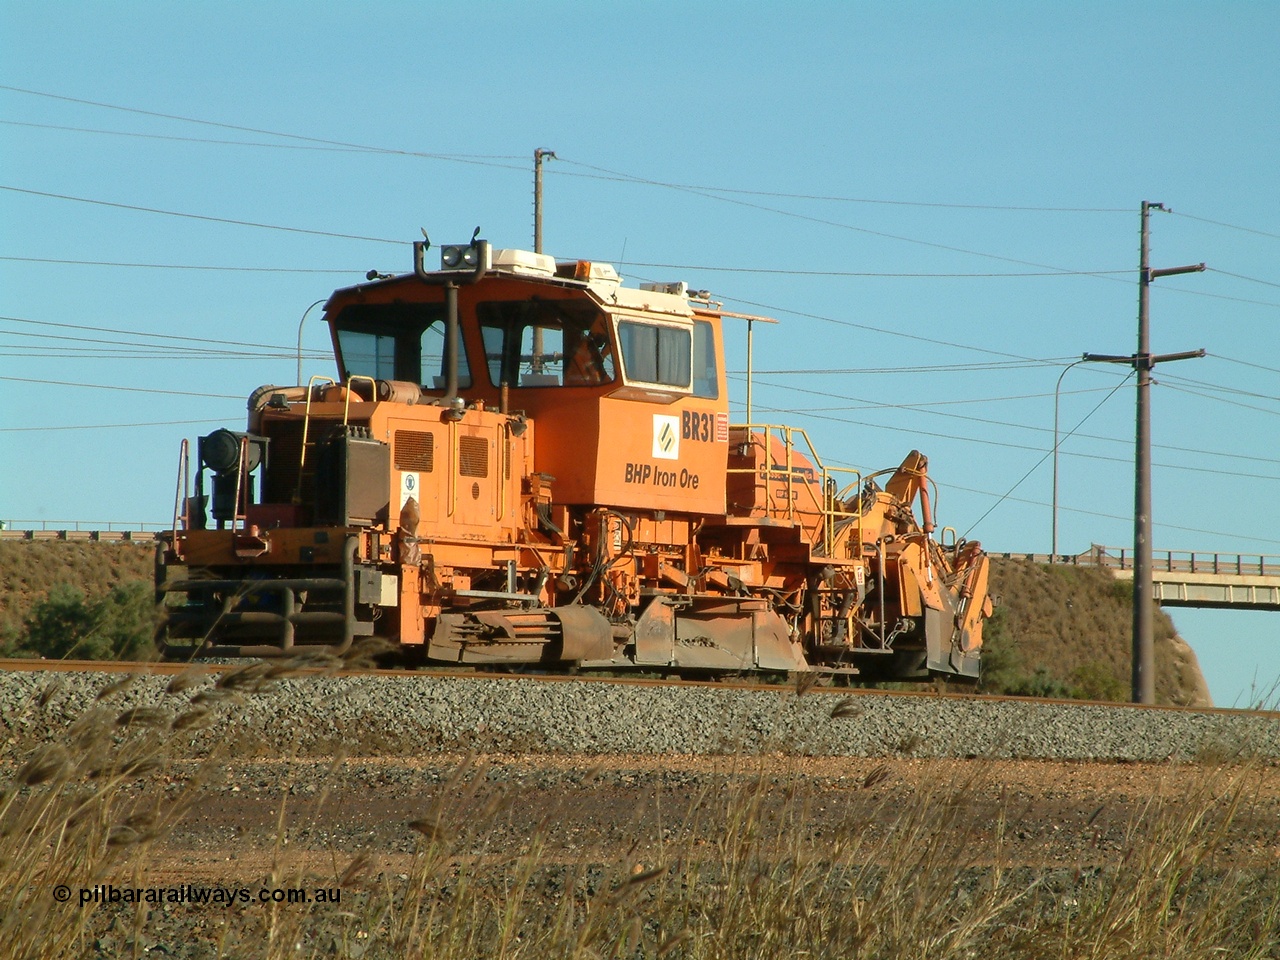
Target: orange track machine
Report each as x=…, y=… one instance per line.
x=526, y=462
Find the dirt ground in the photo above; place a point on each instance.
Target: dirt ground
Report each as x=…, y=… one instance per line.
x=647, y=810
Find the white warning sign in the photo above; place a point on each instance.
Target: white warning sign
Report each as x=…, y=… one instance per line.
x=409, y=483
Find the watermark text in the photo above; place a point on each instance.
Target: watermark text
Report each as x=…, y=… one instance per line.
x=196, y=894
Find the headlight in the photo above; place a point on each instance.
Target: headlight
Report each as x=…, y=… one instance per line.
x=220, y=451
x=466, y=256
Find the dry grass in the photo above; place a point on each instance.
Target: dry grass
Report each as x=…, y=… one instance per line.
x=918, y=877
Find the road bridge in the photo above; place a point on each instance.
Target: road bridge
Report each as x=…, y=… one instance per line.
x=1187, y=578
x=1182, y=578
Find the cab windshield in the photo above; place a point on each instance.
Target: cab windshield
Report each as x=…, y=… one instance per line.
x=397, y=341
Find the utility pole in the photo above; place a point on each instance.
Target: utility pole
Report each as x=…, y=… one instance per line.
x=539, y=156
x=1144, y=673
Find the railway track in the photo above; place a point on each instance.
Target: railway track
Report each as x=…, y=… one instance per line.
x=801, y=685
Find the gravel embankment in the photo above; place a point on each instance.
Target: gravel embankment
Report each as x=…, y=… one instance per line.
x=381, y=715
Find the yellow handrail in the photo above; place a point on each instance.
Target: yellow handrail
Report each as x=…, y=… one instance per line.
x=373, y=393
x=825, y=505
x=306, y=423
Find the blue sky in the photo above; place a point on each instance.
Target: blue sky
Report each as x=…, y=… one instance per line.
x=939, y=202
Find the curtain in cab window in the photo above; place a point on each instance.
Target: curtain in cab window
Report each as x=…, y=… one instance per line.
x=654, y=354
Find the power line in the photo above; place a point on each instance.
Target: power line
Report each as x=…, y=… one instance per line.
x=1240, y=276
x=1039, y=462
x=86, y=354
x=711, y=192
x=864, y=404
x=1244, y=363
x=164, y=349
x=127, y=352
x=107, y=386
x=170, y=137
x=1221, y=296
x=144, y=333
x=868, y=274
x=168, y=357
x=1209, y=396
x=176, y=266
x=922, y=368
x=198, y=216
x=1109, y=516
x=614, y=175
x=926, y=406
x=869, y=232
x=270, y=133
x=869, y=404
x=601, y=173
x=1173, y=378
x=109, y=426
x=772, y=308
x=1229, y=226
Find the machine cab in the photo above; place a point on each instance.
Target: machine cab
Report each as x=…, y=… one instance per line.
x=625, y=386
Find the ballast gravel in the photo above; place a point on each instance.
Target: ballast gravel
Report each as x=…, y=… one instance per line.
x=378, y=715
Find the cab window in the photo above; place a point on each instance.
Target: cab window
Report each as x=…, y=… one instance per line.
x=545, y=343
x=706, y=379
x=656, y=354
x=397, y=341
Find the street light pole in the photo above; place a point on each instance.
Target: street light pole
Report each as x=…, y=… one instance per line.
x=1053, y=556
x=300, y=323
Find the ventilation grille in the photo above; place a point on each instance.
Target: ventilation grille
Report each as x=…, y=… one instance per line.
x=473, y=457
x=415, y=451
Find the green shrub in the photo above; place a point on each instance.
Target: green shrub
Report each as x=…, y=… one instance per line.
x=1095, y=680
x=64, y=625
x=1001, y=661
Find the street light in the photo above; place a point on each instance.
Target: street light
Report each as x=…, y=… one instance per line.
x=1053, y=556
x=300, y=323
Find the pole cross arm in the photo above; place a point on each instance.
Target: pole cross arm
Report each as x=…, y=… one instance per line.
x=1151, y=359
x=1154, y=273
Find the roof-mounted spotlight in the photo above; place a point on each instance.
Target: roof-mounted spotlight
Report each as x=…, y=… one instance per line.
x=476, y=255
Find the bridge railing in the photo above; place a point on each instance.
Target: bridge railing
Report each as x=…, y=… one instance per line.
x=79, y=530
x=1189, y=561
